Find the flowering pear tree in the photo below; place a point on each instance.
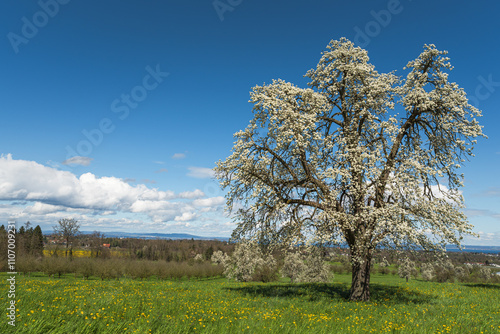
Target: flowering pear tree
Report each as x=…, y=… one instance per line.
x=384, y=263
x=293, y=266
x=406, y=268
x=360, y=157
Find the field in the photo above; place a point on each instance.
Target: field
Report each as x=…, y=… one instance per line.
x=69, y=305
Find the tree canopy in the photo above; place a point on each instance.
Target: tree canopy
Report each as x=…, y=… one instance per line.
x=360, y=157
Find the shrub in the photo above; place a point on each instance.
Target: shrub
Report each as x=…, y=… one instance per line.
x=140, y=269
x=266, y=273
x=109, y=269
x=316, y=269
x=55, y=265
x=310, y=268
x=462, y=273
x=485, y=274
x=338, y=269
x=246, y=259
x=27, y=264
x=427, y=270
x=445, y=271
x=383, y=271
x=86, y=267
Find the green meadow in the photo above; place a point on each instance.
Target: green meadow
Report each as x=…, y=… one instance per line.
x=73, y=305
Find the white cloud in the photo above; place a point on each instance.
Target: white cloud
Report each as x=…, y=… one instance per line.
x=49, y=194
x=489, y=236
x=148, y=206
x=186, y=216
x=485, y=239
x=78, y=160
x=191, y=194
x=201, y=172
x=42, y=209
x=212, y=201
x=180, y=224
x=178, y=156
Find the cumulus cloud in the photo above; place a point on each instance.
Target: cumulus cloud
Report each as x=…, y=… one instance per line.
x=192, y=194
x=489, y=236
x=78, y=160
x=49, y=192
x=210, y=202
x=42, y=209
x=200, y=172
x=485, y=239
x=186, y=216
x=145, y=206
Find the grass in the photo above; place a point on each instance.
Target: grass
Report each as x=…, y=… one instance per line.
x=69, y=305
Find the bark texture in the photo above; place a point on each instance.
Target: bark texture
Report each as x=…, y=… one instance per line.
x=360, y=284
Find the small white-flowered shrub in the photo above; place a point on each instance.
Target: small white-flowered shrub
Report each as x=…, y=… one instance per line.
x=247, y=263
x=427, y=270
x=310, y=268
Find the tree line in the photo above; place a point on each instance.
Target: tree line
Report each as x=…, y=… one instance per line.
x=243, y=261
x=29, y=240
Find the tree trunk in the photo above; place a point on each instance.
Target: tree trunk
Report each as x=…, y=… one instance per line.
x=360, y=284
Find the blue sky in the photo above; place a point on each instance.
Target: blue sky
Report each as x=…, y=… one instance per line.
x=149, y=93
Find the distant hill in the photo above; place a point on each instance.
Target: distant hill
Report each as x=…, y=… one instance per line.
x=474, y=249
x=178, y=236
x=172, y=236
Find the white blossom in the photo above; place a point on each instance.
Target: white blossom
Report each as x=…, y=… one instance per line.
x=245, y=260
x=307, y=268
x=360, y=157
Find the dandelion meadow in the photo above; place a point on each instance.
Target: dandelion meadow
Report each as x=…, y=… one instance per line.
x=233, y=166
x=74, y=305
